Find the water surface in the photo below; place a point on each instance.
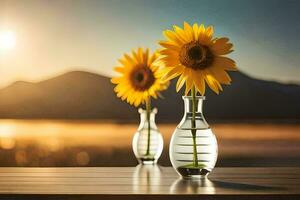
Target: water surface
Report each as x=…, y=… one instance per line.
x=98, y=143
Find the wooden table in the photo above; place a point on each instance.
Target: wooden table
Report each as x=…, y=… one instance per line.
x=147, y=182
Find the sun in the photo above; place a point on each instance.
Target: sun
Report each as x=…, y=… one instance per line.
x=7, y=40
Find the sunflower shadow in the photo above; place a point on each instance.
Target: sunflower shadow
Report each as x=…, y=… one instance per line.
x=212, y=186
x=244, y=186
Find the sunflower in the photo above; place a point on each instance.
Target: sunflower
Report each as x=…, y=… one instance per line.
x=140, y=77
x=197, y=58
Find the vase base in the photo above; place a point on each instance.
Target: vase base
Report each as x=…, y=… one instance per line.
x=186, y=172
x=147, y=161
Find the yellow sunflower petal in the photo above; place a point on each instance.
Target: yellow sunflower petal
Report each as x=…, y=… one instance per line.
x=170, y=52
x=141, y=55
x=119, y=69
x=221, y=46
x=170, y=45
x=199, y=82
x=128, y=60
x=123, y=96
x=181, y=34
x=170, y=62
x=136, y=56
x=180, y=82
x=209, y=31
x=205, y=38
x=121, y=91
x=137, y=102
x=225, y=63
x=220, y=75
x=145, y=55
x=154, y=68
x=201, y=29
x=188, y=86
x=170, y=73
x=213, y=83
x=152, y=58
x=116, y=80
x=189, y=31
x=131, y=97
x=195, y=30
x=152, y=92
x=173, y=37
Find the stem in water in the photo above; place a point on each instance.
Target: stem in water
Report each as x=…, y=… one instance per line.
x=148, y=111
x=193, y=130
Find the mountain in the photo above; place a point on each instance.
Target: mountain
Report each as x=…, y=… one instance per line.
x=84, y=95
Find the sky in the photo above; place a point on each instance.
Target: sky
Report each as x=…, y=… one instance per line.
x=57, y=36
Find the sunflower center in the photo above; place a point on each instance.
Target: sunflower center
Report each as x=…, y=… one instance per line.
x=195, y=55
x=142, y=78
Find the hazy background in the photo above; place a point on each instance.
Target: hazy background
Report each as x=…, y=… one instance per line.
x=57, y=105
x=58, y=36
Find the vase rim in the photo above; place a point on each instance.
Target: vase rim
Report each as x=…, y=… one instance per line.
x=154, y=110
x=190, y=97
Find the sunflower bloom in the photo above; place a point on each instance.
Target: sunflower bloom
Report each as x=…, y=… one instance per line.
x=197, y=58
x=140, y=77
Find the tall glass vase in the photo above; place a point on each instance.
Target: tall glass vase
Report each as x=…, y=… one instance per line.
x=147, y=142
x=193, y=147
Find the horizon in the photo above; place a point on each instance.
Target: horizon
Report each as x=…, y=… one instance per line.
x=106, y=76
x=38, y=45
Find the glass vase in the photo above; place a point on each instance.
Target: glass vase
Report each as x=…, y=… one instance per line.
x=193, y=147
x=147, y=142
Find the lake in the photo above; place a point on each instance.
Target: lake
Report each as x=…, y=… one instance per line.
x=98, y=143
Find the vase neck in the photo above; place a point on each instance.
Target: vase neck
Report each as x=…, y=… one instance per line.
x=144, y=119
x=188, y=104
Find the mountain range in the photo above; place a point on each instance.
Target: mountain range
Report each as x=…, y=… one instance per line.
x=85, y=95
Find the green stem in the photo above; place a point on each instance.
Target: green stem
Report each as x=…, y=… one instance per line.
x=195, y=153
x=148, y=111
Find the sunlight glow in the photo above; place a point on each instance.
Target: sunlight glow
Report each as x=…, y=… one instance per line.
x=7, y=40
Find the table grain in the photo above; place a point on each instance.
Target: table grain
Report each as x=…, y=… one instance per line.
x=147, y=182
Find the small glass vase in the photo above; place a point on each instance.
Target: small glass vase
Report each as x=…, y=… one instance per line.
x=193, y=147
x=147, y=142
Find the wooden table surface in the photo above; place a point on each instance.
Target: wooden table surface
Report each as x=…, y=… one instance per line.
x=147, y=182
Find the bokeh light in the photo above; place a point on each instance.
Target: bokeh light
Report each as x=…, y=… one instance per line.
x=82, y=158
x=7, y=143
x=21, y=157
